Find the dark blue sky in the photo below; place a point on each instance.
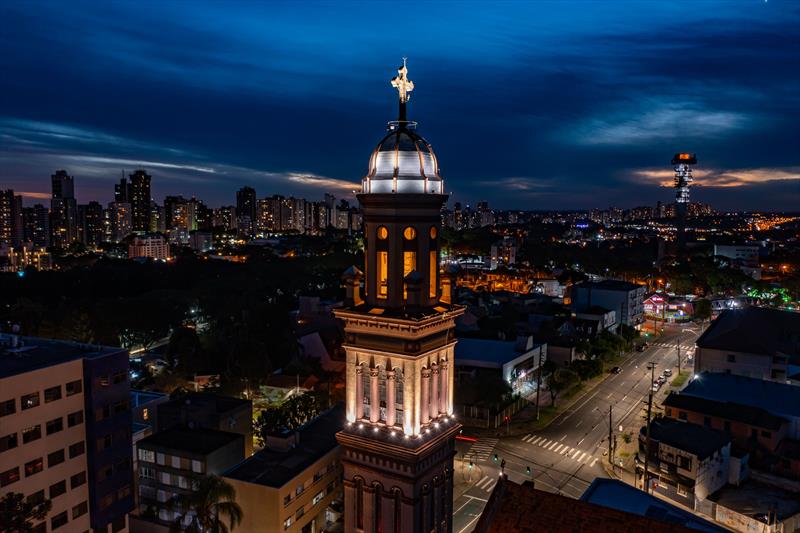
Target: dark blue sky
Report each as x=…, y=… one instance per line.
x=528, y=105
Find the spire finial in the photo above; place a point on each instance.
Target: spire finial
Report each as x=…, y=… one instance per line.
x=403, y=86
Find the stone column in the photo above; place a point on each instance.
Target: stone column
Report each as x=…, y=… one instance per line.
x=374, y=396
x=359, y=392
x=434, y=390
x=390, y=392
x=443, y=395
x=424, y=400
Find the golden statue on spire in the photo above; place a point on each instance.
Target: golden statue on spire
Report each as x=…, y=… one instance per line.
x=402, y=83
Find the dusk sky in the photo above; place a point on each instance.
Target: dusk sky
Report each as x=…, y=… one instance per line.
x=528, y=105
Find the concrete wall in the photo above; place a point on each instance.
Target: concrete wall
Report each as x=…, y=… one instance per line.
x=263, y=507
x=744, y=364
x=37, y=381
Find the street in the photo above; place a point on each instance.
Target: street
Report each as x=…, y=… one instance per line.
x=567, y=456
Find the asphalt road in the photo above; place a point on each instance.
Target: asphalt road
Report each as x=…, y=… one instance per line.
x=567, y=456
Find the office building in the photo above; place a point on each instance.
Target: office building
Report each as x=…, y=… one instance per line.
x=65, y=431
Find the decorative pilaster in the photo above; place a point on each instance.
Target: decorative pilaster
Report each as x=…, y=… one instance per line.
x=434, y=390
x=425, y=400
x=443, y=395
x=374, y=396
x=390, y=393
x=359, y=392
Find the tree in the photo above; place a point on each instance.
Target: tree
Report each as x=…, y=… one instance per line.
x=82, y=328
x=17, y=514
x=208, y=507
x=560, y=380
x=289, y=415
x=702, y=309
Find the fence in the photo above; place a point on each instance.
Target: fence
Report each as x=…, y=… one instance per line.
x=487, y=417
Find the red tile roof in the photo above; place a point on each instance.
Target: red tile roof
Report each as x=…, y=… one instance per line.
x=523, y=508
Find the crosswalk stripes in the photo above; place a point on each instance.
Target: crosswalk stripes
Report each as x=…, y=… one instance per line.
x=482, y=449
x=486, y=483
x=556, y=447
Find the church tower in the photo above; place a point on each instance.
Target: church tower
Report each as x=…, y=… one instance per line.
x=399, y=440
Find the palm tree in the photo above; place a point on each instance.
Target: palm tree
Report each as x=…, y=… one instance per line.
x=214, y=499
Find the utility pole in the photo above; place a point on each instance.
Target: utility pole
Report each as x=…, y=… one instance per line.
x=538, y=382
x=651, y=366
x=610, y=430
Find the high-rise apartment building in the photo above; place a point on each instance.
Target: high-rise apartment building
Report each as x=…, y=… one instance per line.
x=139, y=198
x=246, y=210
x=12, y=229
x=63, y=210
x=120, y=220
x=65, y=431
x=399, y=440
x=90, y=224
x=36, y=223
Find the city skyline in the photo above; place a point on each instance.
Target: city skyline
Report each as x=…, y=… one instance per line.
x=568, y=116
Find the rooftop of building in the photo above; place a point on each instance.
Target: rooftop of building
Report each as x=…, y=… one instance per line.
x=490, y=352
x=274, y=468
x=619, y=495
x=142, y=397
x=609, y=285
x=700, y=441
x=181, y=439
x=24, y=354
x=525, y=509
x=206, y=400
x=758, y=500
x=410, y=313
x=748, y=414
x=776, y=398
x=756, y=330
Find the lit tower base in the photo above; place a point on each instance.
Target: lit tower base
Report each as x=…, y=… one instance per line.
x=399, y=441
x=683, y=179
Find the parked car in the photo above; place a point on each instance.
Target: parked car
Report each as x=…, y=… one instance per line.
x=616, y=370
x=655, y=387
x=668, y=372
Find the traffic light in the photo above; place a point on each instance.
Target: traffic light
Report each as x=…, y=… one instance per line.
x=495, y=458
x=470, y=464
x=528, y=470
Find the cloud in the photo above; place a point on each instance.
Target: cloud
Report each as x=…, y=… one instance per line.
x=34, y=195
x=724, y=178
x=518, y=184
x=648, y=122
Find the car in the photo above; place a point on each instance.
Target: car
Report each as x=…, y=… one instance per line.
x=640, y=348
x=616, y=370
x=655, y=387
x=668, y=372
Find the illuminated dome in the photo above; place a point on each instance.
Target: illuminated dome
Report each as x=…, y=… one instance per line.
x=403, y=162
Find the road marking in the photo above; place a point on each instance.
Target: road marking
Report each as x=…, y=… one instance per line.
x=490, y=486
x=537, y=440
x=562, y=438
x=552, y=446
x=581, y=457
x=468, y=527
x=483, y=480
x=622, y=400
x=560, y=446
x=544, y=443
x=568, y=451
x=610, y=394
x=579, y=422
x=526, y=437
x=583, y=439
x=593, y=462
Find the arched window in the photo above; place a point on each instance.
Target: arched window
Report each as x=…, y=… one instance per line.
x=359, y=503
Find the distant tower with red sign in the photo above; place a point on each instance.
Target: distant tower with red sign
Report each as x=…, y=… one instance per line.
x=683, y=179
